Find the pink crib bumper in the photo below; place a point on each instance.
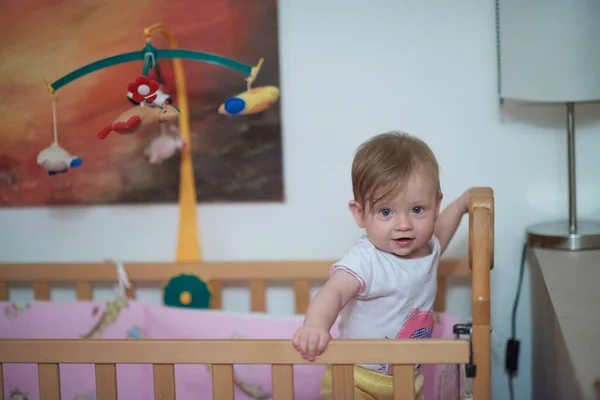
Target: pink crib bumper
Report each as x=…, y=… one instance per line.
x=131, y=319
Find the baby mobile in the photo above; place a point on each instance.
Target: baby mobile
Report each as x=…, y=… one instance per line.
x=152, y=106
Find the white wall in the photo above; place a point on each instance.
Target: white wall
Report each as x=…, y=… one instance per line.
x=350, y=70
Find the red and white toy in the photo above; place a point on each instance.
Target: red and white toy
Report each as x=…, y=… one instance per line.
x=144, y=91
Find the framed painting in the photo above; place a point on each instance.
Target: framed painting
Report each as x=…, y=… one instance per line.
x=235, y=158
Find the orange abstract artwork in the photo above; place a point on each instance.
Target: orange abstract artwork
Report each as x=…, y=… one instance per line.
x=236, y=158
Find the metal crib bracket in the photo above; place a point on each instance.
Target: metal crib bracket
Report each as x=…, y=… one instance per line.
x=467, y=329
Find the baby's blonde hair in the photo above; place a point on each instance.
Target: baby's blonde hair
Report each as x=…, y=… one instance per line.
x=384, y=162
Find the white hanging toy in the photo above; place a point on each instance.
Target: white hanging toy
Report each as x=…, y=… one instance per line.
x=163, y=147
x=122, y=279
x=54, y=158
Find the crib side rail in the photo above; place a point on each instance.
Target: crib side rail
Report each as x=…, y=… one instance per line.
x=222, y=355
x=481, y=260
x=257, y=275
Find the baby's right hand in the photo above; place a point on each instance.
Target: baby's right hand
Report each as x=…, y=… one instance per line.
x=311, y=341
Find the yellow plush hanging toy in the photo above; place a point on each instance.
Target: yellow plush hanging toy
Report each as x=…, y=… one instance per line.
x=253, y=100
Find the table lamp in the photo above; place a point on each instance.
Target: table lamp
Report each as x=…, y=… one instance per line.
x=548, y=52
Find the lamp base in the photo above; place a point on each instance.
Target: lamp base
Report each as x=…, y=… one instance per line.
x=556, y=235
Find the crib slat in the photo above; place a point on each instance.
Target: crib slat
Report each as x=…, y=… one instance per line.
x=164, y=381
x=49, y=381
x=163, y=285
x=83, y=290
x=342, y=381
x=1, y=382
x=3, y=295
x=258, y=288
x=222, y=380
x=216, y=298
x=404, y=382
x=282, y=378
x=130, y=291
x=41, y=290
x=106, y=382
x=302, y=295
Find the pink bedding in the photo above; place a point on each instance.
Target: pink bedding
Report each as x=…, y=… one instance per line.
x=132, y=319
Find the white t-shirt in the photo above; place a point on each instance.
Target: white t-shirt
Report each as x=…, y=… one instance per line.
x=396, y=295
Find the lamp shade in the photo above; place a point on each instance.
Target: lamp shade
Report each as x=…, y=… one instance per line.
x=549, y=50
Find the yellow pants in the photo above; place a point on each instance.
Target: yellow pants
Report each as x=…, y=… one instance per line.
x=369, y=385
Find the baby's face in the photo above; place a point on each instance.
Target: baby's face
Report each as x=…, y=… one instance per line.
x=403, y=223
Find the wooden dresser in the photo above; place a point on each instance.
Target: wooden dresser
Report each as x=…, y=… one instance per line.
x=565, y=292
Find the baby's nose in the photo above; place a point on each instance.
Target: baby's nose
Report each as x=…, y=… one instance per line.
x=403, y=224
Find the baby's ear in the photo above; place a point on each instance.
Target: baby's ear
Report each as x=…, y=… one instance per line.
x=438, y=205
x=357, y=213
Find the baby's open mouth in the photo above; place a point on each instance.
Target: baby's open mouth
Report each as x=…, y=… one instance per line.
x=403, y=241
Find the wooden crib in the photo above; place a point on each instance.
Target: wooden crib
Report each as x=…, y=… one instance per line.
x=223, y=354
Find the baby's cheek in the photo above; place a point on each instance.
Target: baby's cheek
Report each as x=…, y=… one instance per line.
x=428, y=226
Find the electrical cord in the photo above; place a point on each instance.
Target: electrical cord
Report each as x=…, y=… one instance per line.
x=512, y=346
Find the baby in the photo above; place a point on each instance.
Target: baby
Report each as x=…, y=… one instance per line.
x=385, y=285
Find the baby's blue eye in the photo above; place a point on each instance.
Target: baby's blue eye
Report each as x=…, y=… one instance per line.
x=417, y=210
x=385, y=212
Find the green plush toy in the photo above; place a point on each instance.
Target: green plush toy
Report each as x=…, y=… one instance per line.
x=187, y=291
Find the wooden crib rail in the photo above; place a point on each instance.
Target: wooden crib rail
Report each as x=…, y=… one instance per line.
x=481, y=260
x=152, y=272
x=256, y=273
x=222, y=355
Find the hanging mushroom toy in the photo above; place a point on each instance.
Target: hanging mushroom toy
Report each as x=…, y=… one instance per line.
x=54, y=159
